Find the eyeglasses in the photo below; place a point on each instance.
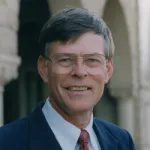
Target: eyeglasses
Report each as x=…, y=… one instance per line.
x=64, y=63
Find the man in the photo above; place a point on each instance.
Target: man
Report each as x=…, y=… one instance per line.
x=76, y=64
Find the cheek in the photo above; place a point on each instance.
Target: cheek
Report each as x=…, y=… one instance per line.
x=103, y=77
x=100, y=79
x=54, y=83
x=98, y=83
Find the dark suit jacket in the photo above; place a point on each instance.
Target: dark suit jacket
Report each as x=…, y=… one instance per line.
x=34, y=133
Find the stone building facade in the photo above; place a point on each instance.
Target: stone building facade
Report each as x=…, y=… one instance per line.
x=129, y=21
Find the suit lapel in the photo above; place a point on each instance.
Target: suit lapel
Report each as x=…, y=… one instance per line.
x=106, y=140
x=41, y=136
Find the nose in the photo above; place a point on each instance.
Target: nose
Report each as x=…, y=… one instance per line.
x=79, y=70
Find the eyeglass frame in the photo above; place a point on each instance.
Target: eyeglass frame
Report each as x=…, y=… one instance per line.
x=51, y=58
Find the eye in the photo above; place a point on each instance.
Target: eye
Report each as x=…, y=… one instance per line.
x=65, y=60
x=93, y=60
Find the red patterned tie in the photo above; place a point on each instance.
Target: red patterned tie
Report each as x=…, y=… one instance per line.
x=83, y=140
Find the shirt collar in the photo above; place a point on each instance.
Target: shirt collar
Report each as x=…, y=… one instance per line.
x=91, y=133
x=66, y=133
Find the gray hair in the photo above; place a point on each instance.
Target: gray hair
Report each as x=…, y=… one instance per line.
x=69, y=24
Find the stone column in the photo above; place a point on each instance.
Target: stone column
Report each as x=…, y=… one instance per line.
x=125, y=108
x=144, y=90
x=126, y=114
x=9, y=61
x=145, y=118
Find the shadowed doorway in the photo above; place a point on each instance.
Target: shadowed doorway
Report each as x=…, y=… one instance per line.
x=22, y=95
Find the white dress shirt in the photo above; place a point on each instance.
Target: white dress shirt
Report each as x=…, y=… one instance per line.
x=66, y=133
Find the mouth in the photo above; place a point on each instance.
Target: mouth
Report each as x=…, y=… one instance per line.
x=78, y=88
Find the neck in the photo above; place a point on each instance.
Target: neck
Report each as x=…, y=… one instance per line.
x=79, y=119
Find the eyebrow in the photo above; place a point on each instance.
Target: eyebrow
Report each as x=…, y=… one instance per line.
x=82, y=54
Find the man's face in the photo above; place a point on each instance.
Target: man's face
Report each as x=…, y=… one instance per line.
x=77, y=91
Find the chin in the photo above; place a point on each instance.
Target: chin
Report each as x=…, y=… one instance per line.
x=81, y=107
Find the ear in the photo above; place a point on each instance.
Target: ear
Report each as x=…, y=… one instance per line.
x=42, y=69
x=109, y=70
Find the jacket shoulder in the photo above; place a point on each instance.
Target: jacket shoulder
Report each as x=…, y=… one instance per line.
x=120, y=134
x=109, y=126
x=14, y=135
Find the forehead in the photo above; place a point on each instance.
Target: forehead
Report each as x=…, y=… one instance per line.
x=86, y=44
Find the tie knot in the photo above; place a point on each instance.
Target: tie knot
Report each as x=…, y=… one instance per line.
x=84, y=136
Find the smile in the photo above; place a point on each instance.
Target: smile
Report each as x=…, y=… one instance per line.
x=81, y=88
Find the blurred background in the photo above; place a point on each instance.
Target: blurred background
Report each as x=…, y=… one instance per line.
x=126, y=99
